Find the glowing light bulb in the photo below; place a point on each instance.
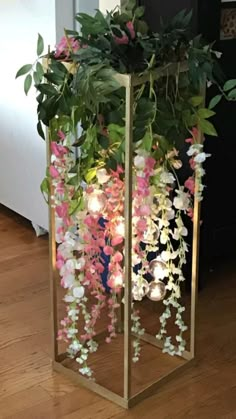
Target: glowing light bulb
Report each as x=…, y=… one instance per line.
x=158, y=269
x=157, y=291
x=139, y=290
x=96, y=202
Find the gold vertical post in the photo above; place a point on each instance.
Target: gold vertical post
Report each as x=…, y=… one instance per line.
x=128, y=237
x=52, y=260
x=194, y=284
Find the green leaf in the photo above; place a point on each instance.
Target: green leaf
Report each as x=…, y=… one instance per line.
x=39, y=69
x=75, y=205
x=24, y=70
x=45, y=187
x=91, y=174
x=104, y=142
x=71, y=33
x=36, y=78
x=40, y=130
x=196, y=100
x=40, y=45
x=58, y=68
x=130, y=4
x=232, y=94
x=47, y=89
x=207, y=127
x=54, y=78
x=230, y=84
x=205, y=113
x=139, y=12
x=147, y=142
x=27, y=83
x=214, y=101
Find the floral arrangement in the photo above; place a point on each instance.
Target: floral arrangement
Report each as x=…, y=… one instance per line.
x=83, y=105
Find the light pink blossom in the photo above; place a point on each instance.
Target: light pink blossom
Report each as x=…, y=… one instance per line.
x=66, y=46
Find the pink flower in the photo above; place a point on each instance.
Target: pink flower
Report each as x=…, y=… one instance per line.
x=54, y=172
x=124, y=40
x=190, y=185
x=118, y=257
x=130, y=27
x=195, y=134
x=117, y=240
x=108, y=250
x=57, y=149
x=150, y=163
x=189, y=140
x=62, y=210
x=144, y=210
x=192, y=163
x=61, y=134
x=190, y=212
x=66, y=46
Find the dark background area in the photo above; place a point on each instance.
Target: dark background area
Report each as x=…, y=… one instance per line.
x=218, y=231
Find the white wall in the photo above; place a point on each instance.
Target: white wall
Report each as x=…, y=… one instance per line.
x=22, y=151
x=108, y=5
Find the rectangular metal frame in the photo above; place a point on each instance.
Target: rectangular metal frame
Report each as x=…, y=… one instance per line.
x=129, y=81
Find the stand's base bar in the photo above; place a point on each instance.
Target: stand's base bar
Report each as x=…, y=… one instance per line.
x=113, y=397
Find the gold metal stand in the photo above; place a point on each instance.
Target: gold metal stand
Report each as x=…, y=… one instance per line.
x=128, y=400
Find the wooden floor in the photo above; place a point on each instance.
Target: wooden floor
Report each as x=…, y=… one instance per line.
x=30, y=390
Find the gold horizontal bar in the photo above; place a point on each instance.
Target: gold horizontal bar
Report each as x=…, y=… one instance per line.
x=151, y=390
x=135, y=79
x=113, y=397
x=90, y=385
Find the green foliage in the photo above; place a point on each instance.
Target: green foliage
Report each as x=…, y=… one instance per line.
x=24, y=70
x=214, y=101
x=27, y=83
x=40, y=45
x=230, y=84
x=84, y=90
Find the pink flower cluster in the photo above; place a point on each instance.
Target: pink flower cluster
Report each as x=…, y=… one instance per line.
x=66, y=46
x=124, y=39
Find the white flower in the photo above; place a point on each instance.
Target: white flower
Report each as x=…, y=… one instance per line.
x=201, y=157
x=70, y=264
x=80, y=263
x=181, y=201
x=71, y=332
x=102, y=176
x=194, y=149
x=85, y=371
x=167, y=177
x=139, y=162
x=78, y=292
x=170, y=214
x=69, y=299
x=73, y=314
x=179, y=232
x=164, y=236
x=166, y=255
x=68, y=280
x=75, y=346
